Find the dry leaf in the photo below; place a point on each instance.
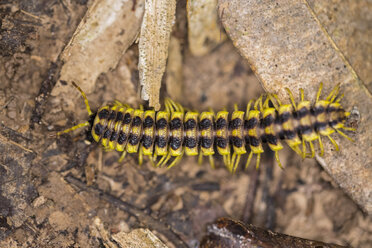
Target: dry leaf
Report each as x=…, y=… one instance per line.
x=140, y=238
x=287, y=46
x=156, y=27
x=106, y=31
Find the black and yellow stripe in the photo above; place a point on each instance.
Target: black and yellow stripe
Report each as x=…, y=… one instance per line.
x=170, y=133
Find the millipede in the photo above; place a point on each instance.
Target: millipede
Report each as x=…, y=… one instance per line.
x=165, y=136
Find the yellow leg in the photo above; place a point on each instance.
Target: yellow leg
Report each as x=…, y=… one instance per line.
x=84, y=96
x=225, y=160
x=333, y=92
x=181, y=108
x=273, y=98
x=258, y=103
x=236, y=163
x=303, y=149
x=74, y=128
x=321, y=146
x=140, y=156
x=175, y=161
x=161, y=160
x=349, y=129
x=236, y=107
x=266, y=102
x=174, y=105
x=122, y=156
x=333, y=142
x=168, y=107
x=248, y=107
x=291, y=98
x=200, y=158
x=343, y=134
x=319, y=92
x=297, y=150
x=258, y=160
x=232, y=163
x=277, y=159
x=164, y=160
x=211, y=161
x=302, y=95
x=312, y=149
x=340, y=98
x=249, y=159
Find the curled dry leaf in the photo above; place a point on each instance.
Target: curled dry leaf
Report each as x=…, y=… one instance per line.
x=106, y=31
x=287, y=46
x=204, y=31
x=156, y=27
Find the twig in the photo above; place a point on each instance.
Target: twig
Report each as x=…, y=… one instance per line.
x=151, y=222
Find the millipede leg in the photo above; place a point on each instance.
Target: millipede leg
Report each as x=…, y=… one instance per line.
x=312, y=149
x=333, y=92
x=321, y=146
x=211, y=161
x=258, y=103
x=236, y=163
x=333, y=142
x=236, y=108
x=249, y=159
x=140, y=156
x=303, y=149
x=297, y=150
x=200, y=158
x=291, y=98
x=339, y=98
x=168, y=106
x=84, y=124
x=266, y=102
x=161, y=160
x=319, y=92
x=343, y=134
x=277, y=159
x=302, y=95
x=175, y=106
x=225, y=160
x=232, y=163
x=122, y=156
x=349, y=129
x=258, y=160
x=164, y=160
x=275, y=101
x=175, y=161
x=248, y=107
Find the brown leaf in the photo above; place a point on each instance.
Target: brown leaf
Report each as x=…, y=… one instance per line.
x=106, y=31
x=153, y=47
x=287, y=46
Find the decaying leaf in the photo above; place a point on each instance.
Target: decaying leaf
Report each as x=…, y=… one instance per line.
x=287, y=46
x=141, y=238
x=106, y=31
x=153, y=47
x=203, y=28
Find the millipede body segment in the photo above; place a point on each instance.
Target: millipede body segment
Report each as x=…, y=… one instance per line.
x=165, y=136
